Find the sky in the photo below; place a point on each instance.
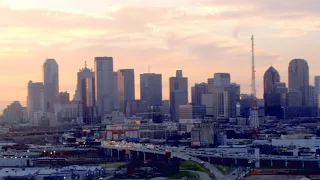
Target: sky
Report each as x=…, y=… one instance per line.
x=201, y=37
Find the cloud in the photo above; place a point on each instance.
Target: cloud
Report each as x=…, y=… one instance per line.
x=200, y=37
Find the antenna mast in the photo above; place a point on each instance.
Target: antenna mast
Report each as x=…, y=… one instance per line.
x=253, y=72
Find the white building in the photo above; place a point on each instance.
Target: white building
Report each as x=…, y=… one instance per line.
x=313, y=142
x=104, y=84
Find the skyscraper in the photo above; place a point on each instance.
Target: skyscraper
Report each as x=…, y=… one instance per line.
x=83, y=73
x=35, y=99
x=115, y=91
x=221, y=79
x=126, y=90
x=272, y=99
x=104, y=84
x=210, y=85
x=151, y=88
x=225, y=101
x=88, y=100
x=270, y=78
x=312, y=96
x=178, y=94
x=179, y=73
x=299, y=78
x=51, y=83
x=197, y=91
x=317, y=91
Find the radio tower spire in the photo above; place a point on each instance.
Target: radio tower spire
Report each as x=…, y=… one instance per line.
x=254, y=117
x=253, y=71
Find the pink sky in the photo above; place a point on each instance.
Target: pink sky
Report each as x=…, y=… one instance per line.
x=200, y=37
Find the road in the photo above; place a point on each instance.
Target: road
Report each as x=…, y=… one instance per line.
x=201, y=175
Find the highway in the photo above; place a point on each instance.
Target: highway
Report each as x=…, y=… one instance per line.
x=189, y=154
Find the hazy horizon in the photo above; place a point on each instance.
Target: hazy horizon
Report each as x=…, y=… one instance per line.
x=200, y=37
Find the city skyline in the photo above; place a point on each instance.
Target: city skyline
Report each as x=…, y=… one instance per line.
x=200, y=51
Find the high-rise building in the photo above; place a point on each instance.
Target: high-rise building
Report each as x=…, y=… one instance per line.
x=317, y=92
x=115, y=91
x=35, y=99
x=151, y=88
x=197, y=90
x=224, y=102
x=51, y=83
x=89, y=111
x=295, y=98
x=83, y=73
x=179, y=73
x=63, y=97
x=299, y=78
x=210, y=85
x=221, y=79
x=282, y=90
x=126, y=90
x=270, y=78
x=272, y=99
x=14, y=113
x=190, y=111
x=312, y=96
x=207, y=101
x=104, y=84
x=178, y=94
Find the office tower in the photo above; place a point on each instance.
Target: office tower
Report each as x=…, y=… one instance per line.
x=190, y=111
x=115, y=91
x=282, y=90
x=63, y=98
x=104, y=84
x=125, y=88
x=245, y=105
x=51, y=83
x=179, y=73
x=270, y=78
x=272, y=99
x=295, y=98
x=299, y=78
x=210, y=85
x=197, y=90
x=225, y=101
x=312, y=96
x=207, y=101
x=178, y=94
x=166, y=106
x=221, y=79
x=35, y=99
x=317, y=91
x=83, y=73
x=88, y=101
x=151, y=88
x=136, y=107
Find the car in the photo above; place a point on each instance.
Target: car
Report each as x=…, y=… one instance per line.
x=201, y=162
x=233, y=173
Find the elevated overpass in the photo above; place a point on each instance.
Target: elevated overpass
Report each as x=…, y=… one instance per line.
x=256, y=159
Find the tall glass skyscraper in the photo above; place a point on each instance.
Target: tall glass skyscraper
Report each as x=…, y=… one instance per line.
x=51, y=84
x=104, y=84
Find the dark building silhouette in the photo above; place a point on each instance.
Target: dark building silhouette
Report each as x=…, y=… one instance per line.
x=272, y=98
